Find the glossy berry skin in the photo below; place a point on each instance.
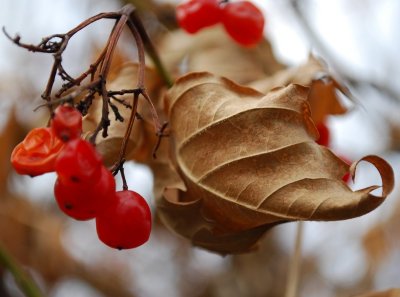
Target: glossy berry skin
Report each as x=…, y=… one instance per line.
x=194, y=15
x=67, y=122
x=83, y=202
x=126, y=223
x=78, y=162
x=37, y=153
x=324, y=134
x=244, y=22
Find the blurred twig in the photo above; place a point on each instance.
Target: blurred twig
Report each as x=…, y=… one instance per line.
x=355, y=82
x=294, y=264
x=25, y=283
x=165, y=12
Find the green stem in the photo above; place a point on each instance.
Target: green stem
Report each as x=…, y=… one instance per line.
x=25, y=283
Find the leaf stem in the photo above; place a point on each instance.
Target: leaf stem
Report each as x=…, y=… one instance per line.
x=128, y=131
x=292, y=283
x=25, y=283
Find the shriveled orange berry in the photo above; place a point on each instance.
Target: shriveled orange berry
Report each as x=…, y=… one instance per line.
x=37, y=153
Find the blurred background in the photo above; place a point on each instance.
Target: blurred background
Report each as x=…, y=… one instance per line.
x=359, y=41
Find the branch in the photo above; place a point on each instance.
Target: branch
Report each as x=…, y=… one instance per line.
x=98, y=72
x=150, y=49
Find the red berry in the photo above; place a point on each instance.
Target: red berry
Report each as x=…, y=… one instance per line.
x=346, y=178
x=244, y=22
x=198, y=14
x=126, y=223
x=37, y=153
x=324, y=134
x=67, y=122
x=78, y=162
x=82, y=201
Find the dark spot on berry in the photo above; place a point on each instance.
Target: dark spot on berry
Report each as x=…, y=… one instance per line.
x=120, y=248
x=64, y=137
x=75, y=179
x=68, y=206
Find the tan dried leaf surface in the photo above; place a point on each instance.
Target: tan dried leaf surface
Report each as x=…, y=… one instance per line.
x=249, y=162
x=323, y=97
x=387, y=293
x=212, y=50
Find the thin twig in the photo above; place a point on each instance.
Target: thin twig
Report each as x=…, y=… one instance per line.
x=160, y=135
x=70, y=97
x=105, y=67
x=128, y=131
x=114, y=108
x=390, y=92
x=151, y=50
x=122, y=102
x=124, y=183
x=140, y=50
x=77, y=81
x=98, y=72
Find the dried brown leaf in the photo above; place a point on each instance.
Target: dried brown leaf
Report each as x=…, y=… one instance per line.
x=303, y=75
x=323, y=97
x=387, y=293
x=214, y=51
x=188, y=220
x=250, y=161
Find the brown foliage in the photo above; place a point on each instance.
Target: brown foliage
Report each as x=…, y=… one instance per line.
x=138, y=143
x=212, y=50
x=8, y=137
x=323, y=97
x=387, y=293
x=33, y=236
x=249, y=162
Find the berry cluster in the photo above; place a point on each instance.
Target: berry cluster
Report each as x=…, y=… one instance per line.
x=324, y=139
x=85, y=188
x=242, y=20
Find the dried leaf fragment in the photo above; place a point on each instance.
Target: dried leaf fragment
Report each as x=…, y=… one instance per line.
x=213, y=50
x=323, y=97
x=250, y=161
